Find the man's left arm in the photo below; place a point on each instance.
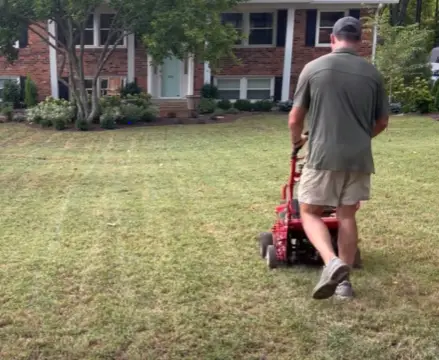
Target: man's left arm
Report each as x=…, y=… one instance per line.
x=302, y=99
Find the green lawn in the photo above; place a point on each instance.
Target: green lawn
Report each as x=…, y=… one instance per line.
x=140, y=244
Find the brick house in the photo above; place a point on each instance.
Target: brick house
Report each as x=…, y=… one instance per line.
x=281, y=37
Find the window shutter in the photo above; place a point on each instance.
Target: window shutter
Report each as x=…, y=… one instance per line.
x=281, y=27
x=277, y=88
x=63, y=89
x=354, y=13
x=22, y=87
x=311, y=23
x=24, y=40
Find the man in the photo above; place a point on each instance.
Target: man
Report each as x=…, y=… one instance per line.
x=344, y=98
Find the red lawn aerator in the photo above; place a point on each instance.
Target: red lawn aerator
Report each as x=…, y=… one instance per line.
x=287, y=242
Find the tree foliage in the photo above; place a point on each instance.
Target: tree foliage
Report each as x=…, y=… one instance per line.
x=167, y=27
x=404, y=53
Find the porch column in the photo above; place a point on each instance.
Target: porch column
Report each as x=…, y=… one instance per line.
x=131, y=60
x=53, y=61
x=150, y=76
x=207, y=72
x=190, y=75
x=288, y=56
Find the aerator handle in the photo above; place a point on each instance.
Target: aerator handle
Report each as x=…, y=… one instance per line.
x=296, y=150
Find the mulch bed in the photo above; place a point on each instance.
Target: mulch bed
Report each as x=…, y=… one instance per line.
x=202, y=119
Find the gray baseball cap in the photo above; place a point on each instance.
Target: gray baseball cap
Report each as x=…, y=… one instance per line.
x=349, y=27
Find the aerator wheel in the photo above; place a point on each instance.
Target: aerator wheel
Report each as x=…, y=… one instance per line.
x=265, y=240
x=271, y=257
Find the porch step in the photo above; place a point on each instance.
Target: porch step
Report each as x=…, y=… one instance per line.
x=172, y=108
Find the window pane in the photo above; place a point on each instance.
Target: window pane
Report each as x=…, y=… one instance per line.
x=228, y=84
x=234, y=19
x=115, y=35
x=228, y=94
x=88, y=38
x=2, y=83
x=88, y=83
x=89, y=23
x=258, y=94
x=259, y=84
x=324, y=36
x=261, y=20
x=261, y=37
x=329, y=18
x=104, y=84
x=106, y=20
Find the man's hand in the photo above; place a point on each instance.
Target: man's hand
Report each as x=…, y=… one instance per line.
x=299, y=144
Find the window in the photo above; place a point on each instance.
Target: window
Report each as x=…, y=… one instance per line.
x=258, y=89
x=251, y=88
x=261, y=29
x=257, y=28
x=3, y=80
x=229, y=88
x=88, y=86
x=98, y=29
x=106, y=22
x=235, y=20
x=111, y=85
x=325, y=23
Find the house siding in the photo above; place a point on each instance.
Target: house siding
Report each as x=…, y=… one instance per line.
x=265, y=61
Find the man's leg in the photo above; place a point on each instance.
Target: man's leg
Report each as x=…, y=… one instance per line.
x=347, y=233
x=317, y=189
x=355, y=189
x=316, y=230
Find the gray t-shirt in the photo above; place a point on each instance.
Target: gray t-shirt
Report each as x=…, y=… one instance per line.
x=344, y=95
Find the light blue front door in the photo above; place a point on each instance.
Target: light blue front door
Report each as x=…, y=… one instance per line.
x=171, y=78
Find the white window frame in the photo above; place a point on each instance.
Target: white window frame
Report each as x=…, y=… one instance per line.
x=243, y=85
x=246, y=27
x=97, y=32
x=105, y=77
x=5, y=78
x=319, y=12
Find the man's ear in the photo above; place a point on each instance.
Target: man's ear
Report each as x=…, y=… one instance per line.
x=332, y=37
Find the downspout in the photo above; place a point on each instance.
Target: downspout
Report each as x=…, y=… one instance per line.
x=375, y=33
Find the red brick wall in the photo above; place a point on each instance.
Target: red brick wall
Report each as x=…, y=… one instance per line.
x=269, y=61
x=32, y=60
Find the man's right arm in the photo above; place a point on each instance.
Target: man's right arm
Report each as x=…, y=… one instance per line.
x=381, y=110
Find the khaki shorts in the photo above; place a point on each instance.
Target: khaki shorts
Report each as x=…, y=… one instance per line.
x=333, y=188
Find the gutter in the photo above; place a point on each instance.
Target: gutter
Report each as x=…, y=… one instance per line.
x=375, y=33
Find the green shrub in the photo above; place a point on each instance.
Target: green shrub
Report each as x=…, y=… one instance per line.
x=218, y=112
x=416, y=96
x=150, y=114
x=82, y=125
x=45, y=123
x=51, y=112
x=60, y=124
x=109, y=102
x=12, y=93
x=243, y=105
x=8, y=111
x=224, y=104
x=107, y=121
x=131, y=113
x=207, y=106
x=232, y=111
x=130, y=89
x=285, y=106
x=143, y=100
x=209, y=91
x=30, y=93
x=262, y=105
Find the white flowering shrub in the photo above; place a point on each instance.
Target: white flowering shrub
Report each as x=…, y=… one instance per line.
x=52, y=112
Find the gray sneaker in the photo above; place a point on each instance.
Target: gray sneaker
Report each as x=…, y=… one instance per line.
x=344, y=290
x=333, y=274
